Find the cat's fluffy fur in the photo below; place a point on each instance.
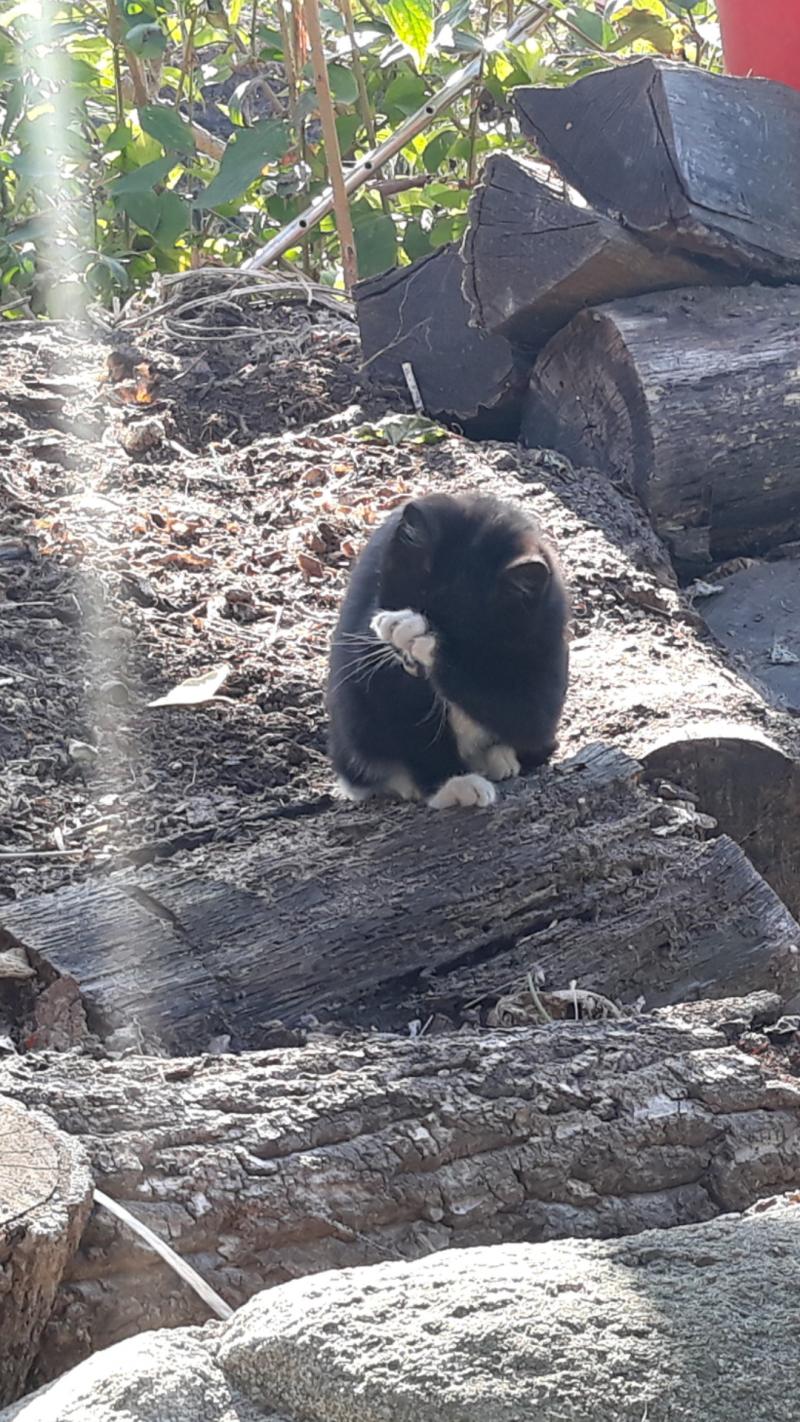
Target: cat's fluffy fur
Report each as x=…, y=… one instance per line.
x=448, y=668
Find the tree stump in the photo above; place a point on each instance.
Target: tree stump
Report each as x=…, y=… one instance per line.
x=45, y=1199
x=533, y=260
x=269, y=1166
x=686, y=397
x=699, y=161
x=419, y=315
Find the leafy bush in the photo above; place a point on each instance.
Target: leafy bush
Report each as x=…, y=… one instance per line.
x=144, y=136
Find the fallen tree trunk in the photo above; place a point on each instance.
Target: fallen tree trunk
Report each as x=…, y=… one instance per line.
x=342, y=915
x=682, y=396
x=701, y=162
x=265, y=1167
x=419, y=315
x=45, y=1200
x=532, y=260
x=312, y=924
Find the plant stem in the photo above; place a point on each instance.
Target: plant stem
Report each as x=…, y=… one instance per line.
x=367, y=117
x=327, y=115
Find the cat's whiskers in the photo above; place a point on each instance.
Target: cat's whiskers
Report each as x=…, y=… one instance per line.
x=439, y=709
x=381, y=655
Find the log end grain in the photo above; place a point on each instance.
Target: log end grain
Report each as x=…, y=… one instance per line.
x=45, y=1199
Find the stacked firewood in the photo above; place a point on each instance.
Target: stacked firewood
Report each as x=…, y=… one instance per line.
x=631, y=305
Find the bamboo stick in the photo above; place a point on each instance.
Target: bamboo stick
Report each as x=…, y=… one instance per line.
x=339, y=200
x=528, y=22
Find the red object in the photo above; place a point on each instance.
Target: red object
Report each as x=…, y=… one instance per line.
x=762, y=37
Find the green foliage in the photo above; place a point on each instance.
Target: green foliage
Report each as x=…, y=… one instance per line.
x=413, y=24
x=139, y=136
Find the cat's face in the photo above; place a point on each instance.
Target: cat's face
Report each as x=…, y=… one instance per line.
x=474, y=567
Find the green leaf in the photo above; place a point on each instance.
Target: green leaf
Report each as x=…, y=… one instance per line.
x=413, y=23
x=143, y=209
x=402, y=429
x=447, y=229
x=146, y=40
x=343, y=84
x=141, y=179
x=416, y=241
x=442, y=195
x=118, y=139
x=591, y=25
x=347, y=126
x=376, y=242
x=167, y=127
x=405, y=95
x=174, y=218
x=247, y=153
x=437, y=149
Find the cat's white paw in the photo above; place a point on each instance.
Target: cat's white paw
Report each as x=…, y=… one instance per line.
x=399, y=628
x=407, y=632
x=500, y=763
x=423, y=650
x=464, y=790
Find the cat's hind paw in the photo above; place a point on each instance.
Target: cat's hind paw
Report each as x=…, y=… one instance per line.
x=471, y=790
x=499, y=763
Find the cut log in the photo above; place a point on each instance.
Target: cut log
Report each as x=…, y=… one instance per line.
x=697, y=160
x=687, y=397
x=343, y=915
x=266, y=1167
x=532, y=260
x=45, y=1200
x=419, y=315
x=339, y=914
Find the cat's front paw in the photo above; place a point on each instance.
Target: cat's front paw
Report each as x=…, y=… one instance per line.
x=408, y=633
x=471, y=790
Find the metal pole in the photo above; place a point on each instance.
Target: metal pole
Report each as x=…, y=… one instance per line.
x=527, y=23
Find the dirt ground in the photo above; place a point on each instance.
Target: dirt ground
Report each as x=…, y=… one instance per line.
x=170, y=507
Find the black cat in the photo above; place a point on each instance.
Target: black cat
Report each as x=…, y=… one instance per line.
x=448, y=668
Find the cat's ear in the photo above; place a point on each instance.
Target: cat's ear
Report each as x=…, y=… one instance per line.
x=527, y=577
x=415, y=537
x=415, y=526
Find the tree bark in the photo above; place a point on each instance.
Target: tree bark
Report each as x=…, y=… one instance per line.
x=419, y=315
x=45, y=1200
x=704, y=163
x=532, y=260
x=683, y=396
x=266, y=1167
x=344, y=916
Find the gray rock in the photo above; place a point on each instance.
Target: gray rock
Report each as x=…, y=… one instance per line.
x=169, y=1376
x=695, y=1324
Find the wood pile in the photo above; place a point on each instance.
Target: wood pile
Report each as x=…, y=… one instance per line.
x=373, y=1033
x=653, y=307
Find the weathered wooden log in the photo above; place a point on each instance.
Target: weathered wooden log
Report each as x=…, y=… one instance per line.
x=533, y=260
x=341, y=914
x=700, y=161
x=419, y=315
x=265, y=1167
x=686, y=397
x=45, y=1200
